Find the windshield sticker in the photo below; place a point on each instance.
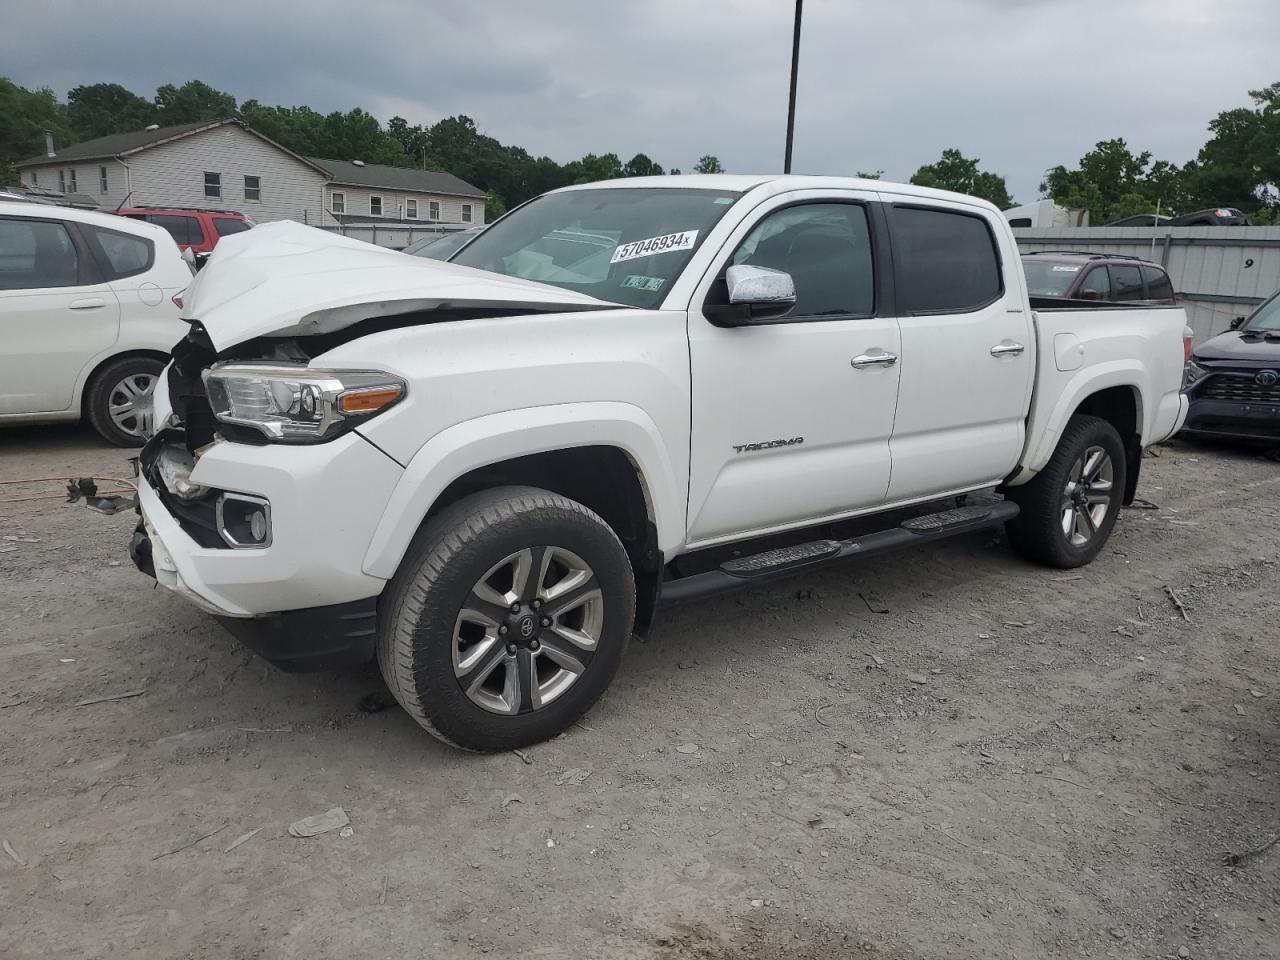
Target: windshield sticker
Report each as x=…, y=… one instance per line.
x=637, y=282
x=1063, y=268
x=684, y=240
x=723, y=201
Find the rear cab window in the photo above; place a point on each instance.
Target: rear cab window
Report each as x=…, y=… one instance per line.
x=1159, y=286
x=226, y=226
x=1126, y=282
x=945, y=261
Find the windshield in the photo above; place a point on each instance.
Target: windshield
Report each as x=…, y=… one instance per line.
x=1266, y=317
x=1048, y=279
x=625, y=245
x=439, y=248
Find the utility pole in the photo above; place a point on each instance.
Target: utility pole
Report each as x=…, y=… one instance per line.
x=791, y=106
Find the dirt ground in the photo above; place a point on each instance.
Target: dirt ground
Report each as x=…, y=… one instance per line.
x=1009, y=762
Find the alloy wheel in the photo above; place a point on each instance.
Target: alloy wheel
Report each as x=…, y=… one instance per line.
x=1087, y=496
x=527, y=630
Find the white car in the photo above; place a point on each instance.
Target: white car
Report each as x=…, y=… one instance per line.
x=87, y=317
x=486, y=473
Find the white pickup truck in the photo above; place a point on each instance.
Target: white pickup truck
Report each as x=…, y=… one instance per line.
x=488, y=472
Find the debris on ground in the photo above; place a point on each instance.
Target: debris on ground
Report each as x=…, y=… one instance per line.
x=86, y=487
x=523, y=756
x=8, y=848
x=115, y=696
x=874, y=603
x=878, y=661
x=320, y=823
x=1236, y=859
x=509, y=799
x=687, y=748
x=375, y=702
x=346, y=833
x=917, y=677
x=243, y=838
x=573, y=775
x=1177, y=602
x=190, y=843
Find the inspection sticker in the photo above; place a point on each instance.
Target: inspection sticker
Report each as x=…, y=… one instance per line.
x=637, y=282
x=684, y=240
x=1063, y=268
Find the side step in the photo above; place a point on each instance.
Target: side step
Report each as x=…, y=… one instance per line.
x=772, y=564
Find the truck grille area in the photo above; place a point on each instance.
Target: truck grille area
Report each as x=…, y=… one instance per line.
x=1239, y=388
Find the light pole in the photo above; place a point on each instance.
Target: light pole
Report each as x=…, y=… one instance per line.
x=791, y=106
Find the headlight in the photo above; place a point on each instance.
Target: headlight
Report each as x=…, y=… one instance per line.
x=291, y=403
x=1193, y=373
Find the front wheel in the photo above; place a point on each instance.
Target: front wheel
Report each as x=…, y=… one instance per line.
x=118, y=400
x=507, y=618
x=1069, y=509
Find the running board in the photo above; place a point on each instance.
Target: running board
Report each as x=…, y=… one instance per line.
x=784, y=561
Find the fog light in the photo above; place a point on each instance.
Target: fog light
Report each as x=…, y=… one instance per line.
x=243, y=521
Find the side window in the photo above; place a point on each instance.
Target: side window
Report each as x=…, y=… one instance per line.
x=123, y=254
x=1158, y=285
x=179, y=227
x=225, y=226
x=1097, y=283
x=826, y=247
x=36, y=254
x=945, y=262
x=1126, y=282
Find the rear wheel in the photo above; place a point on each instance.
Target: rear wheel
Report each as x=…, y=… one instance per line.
x=118, y=400
x=507, y=619
x=1070, y=508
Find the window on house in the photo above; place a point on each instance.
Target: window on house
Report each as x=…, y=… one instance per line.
x=212, y=184
x=375, y=206
x=62, y=181
x=252, y=188
x=466, y=213
x=411, y=209
x=102, y=179
x=338, y=202
x=73, y=179
x=35, y=178
x=433, y=210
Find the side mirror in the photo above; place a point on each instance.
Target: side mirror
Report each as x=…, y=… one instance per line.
x=1087, y=295
x=1237, y=322
x=189, y=258
x=755, y=294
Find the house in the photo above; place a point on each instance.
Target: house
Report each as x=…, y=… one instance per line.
x=226, y=165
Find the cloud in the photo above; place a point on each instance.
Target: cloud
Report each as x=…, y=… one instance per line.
x=1022, y=84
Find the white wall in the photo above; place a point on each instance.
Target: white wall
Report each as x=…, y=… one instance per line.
x=173, y=175
x=394, y=204
x=88, y=179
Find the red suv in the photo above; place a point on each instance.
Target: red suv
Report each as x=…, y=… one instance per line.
x=194, y=229
x=1067, y=275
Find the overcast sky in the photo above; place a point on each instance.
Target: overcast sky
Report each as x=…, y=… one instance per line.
x=1021, y=84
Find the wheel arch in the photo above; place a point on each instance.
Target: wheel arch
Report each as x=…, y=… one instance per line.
x=82, y=388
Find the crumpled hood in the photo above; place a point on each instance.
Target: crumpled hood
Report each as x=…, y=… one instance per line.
x=1232, y=345
x=286, y=279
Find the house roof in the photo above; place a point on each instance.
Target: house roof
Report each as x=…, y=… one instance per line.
x=350, y=174
x=115, y=144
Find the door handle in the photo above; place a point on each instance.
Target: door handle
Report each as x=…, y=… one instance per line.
x=1007, y=349
x=87, y=303
x=874, y=360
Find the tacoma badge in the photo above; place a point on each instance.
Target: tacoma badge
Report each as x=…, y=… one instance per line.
x=767, y=444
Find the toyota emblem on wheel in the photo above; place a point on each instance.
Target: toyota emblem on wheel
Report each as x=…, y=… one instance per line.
x=1266, y=378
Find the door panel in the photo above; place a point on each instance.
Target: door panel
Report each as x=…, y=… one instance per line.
x=53, y=320
x=965, y=384
x=785, y=429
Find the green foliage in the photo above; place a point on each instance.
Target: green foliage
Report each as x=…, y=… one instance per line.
x=863, y=175
x=193, y=101
x=1111, y=182
x=708, y=164
x=642, y=166
x=953, y=171
x=1240, y=165
x=24, y=117
x=100, y=109
x=493, y=207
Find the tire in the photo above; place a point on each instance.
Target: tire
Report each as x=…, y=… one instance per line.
x=119, y=383
x=441, y=624
x=1057, y=499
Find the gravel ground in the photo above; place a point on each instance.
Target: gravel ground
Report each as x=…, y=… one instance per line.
x=1007, y=762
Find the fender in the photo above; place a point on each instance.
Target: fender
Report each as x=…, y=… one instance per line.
x=486, y=440
x=1046, y=425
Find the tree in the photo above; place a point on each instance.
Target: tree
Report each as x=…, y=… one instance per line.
x=493, y=207
x=708, y=164
x=1240, y=164
x=592, y=167
x=1112, y=182
x=193, y=101
x=24, y=117
x=953, y=171
x=862, y=174
x=100, y=109
x=642, y=166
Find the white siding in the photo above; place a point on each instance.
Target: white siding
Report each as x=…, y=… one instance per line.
x=173, y=175
x=88, y=175
x=394, y=206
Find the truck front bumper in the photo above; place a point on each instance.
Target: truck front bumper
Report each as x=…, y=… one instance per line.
x=302, y=600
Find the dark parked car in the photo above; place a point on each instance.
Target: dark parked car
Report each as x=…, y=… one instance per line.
x=444, y=246
x=1064, y=275
x=1216, y=217
x=1233, y=380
